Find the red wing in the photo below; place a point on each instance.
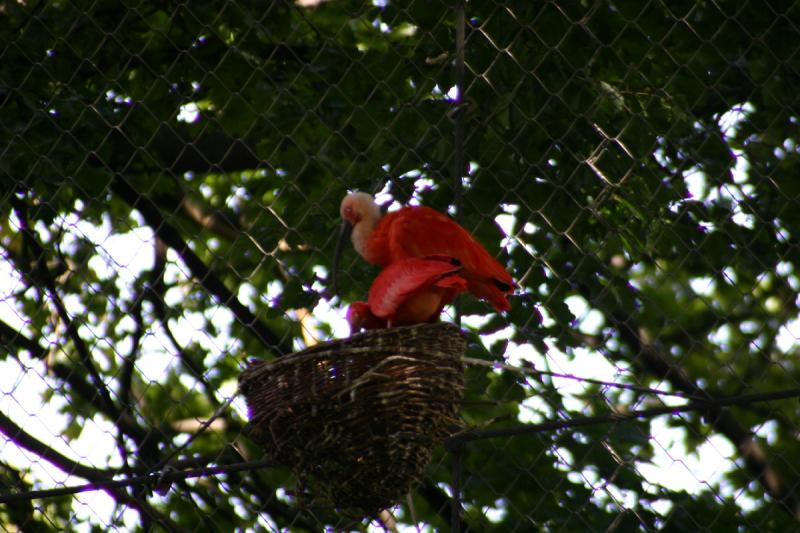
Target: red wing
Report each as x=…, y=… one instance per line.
x=453, y=285
x=422, y=231
x=457, y=283
x=401, y=279
x=377, y=251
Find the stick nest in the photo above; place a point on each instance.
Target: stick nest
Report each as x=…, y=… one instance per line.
x=357, y=419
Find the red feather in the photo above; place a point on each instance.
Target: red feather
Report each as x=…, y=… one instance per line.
x=410, y=291
x=415, y=287
x=421, y=232
x=359, y=316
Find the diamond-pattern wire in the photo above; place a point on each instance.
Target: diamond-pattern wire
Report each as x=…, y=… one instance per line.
x=334, y=97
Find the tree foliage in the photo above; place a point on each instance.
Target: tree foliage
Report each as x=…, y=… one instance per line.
x=644, y=155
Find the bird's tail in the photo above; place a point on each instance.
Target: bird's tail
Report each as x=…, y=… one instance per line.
x=492, y=291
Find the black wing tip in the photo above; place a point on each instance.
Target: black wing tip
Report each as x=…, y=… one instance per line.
x=504, y=287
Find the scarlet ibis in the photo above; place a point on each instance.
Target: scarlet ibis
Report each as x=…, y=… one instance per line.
x=410, y=291
x=422, y=232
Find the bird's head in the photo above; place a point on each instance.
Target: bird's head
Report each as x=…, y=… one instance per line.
x=360, y=214
x=358, y=206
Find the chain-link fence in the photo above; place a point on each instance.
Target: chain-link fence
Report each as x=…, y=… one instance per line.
x=172, y=174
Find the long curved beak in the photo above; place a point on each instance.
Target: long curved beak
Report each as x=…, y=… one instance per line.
x=344, y=234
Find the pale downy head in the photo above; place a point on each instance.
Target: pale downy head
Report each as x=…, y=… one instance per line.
x=362, y=213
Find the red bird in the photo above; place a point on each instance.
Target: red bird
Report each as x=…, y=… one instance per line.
x=424, y=232
x=410, y=291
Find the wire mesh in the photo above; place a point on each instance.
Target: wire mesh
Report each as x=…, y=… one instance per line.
x=171, y=176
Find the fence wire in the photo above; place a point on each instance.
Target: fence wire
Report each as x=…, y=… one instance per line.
x=172, y=175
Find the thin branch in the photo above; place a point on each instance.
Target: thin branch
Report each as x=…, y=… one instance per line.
x=17, y=341
x=72, y=377
x=127, y=369
x=194, y=370
x=154, y=291
x=662, y=366
x=42, y=274
x=723, y=421
x=534, y=372
x=129, y=361
x=200, y=430
x=703, y=406
x=24, y=440
x=147, y=444
x=198, y=268
x=126, y=373
x=96, y=392
x=270, y=503
x=439, y=502
x=20, y=514
x=13, y=340
x=221, y=223
x=154, y=479
x=100, y=478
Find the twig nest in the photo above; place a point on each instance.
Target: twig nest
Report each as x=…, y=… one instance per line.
x=357, y=419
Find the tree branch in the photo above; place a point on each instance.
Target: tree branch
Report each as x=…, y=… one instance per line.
x=661, y=366
x=211, y=152
x=41, y=273
x=439, y=502
x=199, y=270
x=222, y=223
x=24, y=440
x=21, y=513
x=95, y=392
x=195, y=370
x=13, y=340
